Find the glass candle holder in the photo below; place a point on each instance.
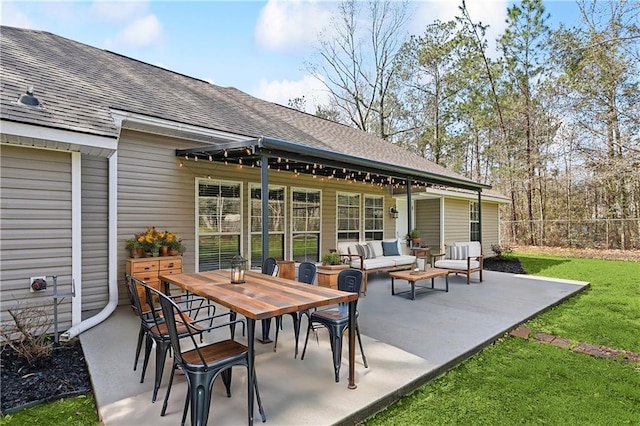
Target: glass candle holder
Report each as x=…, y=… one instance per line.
x=238, y=269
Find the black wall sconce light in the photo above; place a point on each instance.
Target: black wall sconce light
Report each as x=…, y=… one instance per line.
x=393, y=212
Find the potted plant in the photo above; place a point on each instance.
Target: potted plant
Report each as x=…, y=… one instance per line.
x=134, y=247
x=150, y=242
x=176, y=246
x=332, y=258
x=415, y=237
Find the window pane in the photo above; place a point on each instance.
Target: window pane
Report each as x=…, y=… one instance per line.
x=306, y=247
x=219, y=223
x=373, y=216
x=216, y=251
x=276, y=248
x=348, y=217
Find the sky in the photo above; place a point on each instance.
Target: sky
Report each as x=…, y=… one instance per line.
x=259, y=47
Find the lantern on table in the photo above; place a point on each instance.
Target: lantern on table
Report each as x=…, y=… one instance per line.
x=238, y=268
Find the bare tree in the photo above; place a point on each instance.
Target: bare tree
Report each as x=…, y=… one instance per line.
x=356, y=58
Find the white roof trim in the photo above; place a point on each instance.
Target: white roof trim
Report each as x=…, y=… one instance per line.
x=123, y=119
x=464, y=195
x=73, y=140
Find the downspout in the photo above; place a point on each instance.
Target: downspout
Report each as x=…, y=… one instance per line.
x=82, y=326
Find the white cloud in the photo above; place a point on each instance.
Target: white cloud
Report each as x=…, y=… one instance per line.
x=119, y=11
x=291, y=25
x=487, y=12
x=281, y=92
x=12, y=17
x=143, y=32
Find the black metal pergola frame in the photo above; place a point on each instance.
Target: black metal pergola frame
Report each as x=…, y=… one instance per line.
x=276, y=154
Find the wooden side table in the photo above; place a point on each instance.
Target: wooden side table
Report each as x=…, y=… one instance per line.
x=422, y=253
x=287, y=269
x=328, y=275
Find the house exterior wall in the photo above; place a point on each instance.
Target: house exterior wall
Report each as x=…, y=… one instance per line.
x=490, y=227
x=35, y=230
x=456, y=223
x=95, y=232
x=428, y=222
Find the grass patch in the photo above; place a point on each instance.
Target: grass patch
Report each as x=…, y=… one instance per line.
x=77, y=411
x=606, y=314
x=520, y=381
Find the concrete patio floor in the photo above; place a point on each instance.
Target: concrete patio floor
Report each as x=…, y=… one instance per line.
x=407, y=343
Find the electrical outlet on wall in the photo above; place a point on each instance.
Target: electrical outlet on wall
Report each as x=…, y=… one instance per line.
x=37, y=284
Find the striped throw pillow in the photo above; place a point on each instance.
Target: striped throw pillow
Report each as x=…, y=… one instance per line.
x=457, y=252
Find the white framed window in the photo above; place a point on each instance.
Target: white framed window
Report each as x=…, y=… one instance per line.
x=474, y=221
x=373, y=217
x=276, y=222
x=219, y=215
x=348, y=216
x=306, y=217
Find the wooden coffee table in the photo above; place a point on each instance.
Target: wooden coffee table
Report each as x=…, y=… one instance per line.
x=413, y=277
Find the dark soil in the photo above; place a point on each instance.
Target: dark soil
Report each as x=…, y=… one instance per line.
x=511, y=265
x=62, y=374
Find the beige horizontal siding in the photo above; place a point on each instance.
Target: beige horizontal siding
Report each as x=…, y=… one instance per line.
x=95, y=232
x=35, y=230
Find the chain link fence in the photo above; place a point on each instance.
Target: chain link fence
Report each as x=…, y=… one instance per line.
x=621, y=234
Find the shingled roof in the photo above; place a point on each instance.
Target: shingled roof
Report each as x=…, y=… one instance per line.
x=80, y=86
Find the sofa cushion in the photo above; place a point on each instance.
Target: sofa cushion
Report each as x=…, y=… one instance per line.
x=390, y=248
x=377, y=247
x=365, y=251
x=372, y=250
x=456, y=264
x=347, y=247
x=378, y=262
x=403, y=260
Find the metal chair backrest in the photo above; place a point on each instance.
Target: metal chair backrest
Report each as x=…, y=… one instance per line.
x=133, y=294
x=307, y=272
x=172, y=313
x=350, y=280
x=269, y=265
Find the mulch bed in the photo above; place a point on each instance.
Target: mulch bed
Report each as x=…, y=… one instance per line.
x=62, y=374
x=503, y=264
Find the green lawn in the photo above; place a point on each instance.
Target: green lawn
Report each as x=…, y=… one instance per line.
x=77, y=411
x=520, y=381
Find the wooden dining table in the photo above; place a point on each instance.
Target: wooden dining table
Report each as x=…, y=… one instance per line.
x=262, y=297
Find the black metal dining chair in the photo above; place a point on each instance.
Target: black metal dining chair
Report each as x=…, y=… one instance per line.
x=146, y=317
x=306, y=274
x=336, y=319
x=156, y=328
x=269, y=266
x=203, y=363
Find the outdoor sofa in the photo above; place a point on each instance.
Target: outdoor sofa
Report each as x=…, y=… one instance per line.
x=375, y=256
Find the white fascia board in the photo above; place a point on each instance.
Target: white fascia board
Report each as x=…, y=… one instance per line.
x=121, y=116
x=57, y=135
x=463, y=195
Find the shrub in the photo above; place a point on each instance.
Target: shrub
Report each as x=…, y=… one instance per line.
x=26, y=333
